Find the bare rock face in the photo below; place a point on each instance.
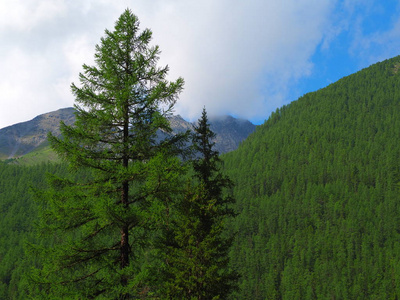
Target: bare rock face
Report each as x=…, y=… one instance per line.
x=22, y=138
x=230, y=132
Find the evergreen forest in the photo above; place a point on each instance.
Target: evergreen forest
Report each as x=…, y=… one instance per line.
x=18, y=217
x=317, y=204
x=317, y=188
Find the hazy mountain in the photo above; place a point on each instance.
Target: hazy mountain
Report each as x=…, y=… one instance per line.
x=23, y=138
x=230, y=132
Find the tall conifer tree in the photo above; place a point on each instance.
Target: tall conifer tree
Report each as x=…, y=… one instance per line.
x=100, y=223
x=197, y=243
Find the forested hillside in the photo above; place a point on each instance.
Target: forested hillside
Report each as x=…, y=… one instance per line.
x=318, y=195
x=18, y=214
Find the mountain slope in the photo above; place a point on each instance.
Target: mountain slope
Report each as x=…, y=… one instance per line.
x=230, y=132
x=317, y=188
x=22, y=138
x=31, y=137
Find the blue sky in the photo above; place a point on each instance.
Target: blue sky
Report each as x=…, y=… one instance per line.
x=367, y=33
x=244, y=58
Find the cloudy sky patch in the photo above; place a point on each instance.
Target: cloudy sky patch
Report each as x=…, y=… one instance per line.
x=244, y=58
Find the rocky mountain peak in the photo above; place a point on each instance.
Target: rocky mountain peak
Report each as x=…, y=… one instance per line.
x=22, y=138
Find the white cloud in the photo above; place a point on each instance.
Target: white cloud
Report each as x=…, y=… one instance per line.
x=26, y=14
x=238, y=57
x=43, y=46
x=21, y=86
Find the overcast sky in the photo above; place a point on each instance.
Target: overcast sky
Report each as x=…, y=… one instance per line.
x=244, y=58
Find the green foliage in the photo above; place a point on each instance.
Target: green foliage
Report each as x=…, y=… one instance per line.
x=18, y=213
x=100, y=225
x=197, y=246
x=316, y=186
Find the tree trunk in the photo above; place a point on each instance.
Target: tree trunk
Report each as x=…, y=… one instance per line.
x=124, y=258
x=125, y=249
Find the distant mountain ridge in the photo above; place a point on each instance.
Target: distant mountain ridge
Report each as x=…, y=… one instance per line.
x=23, y=138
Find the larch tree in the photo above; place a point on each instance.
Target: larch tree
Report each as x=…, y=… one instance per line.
x=198, y=244
x=100, y=223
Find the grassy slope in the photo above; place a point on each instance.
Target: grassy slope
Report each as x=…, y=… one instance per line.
x=40, y=155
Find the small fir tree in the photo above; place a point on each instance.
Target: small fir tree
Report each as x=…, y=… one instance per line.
x=198, y=244
x=102, y=221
